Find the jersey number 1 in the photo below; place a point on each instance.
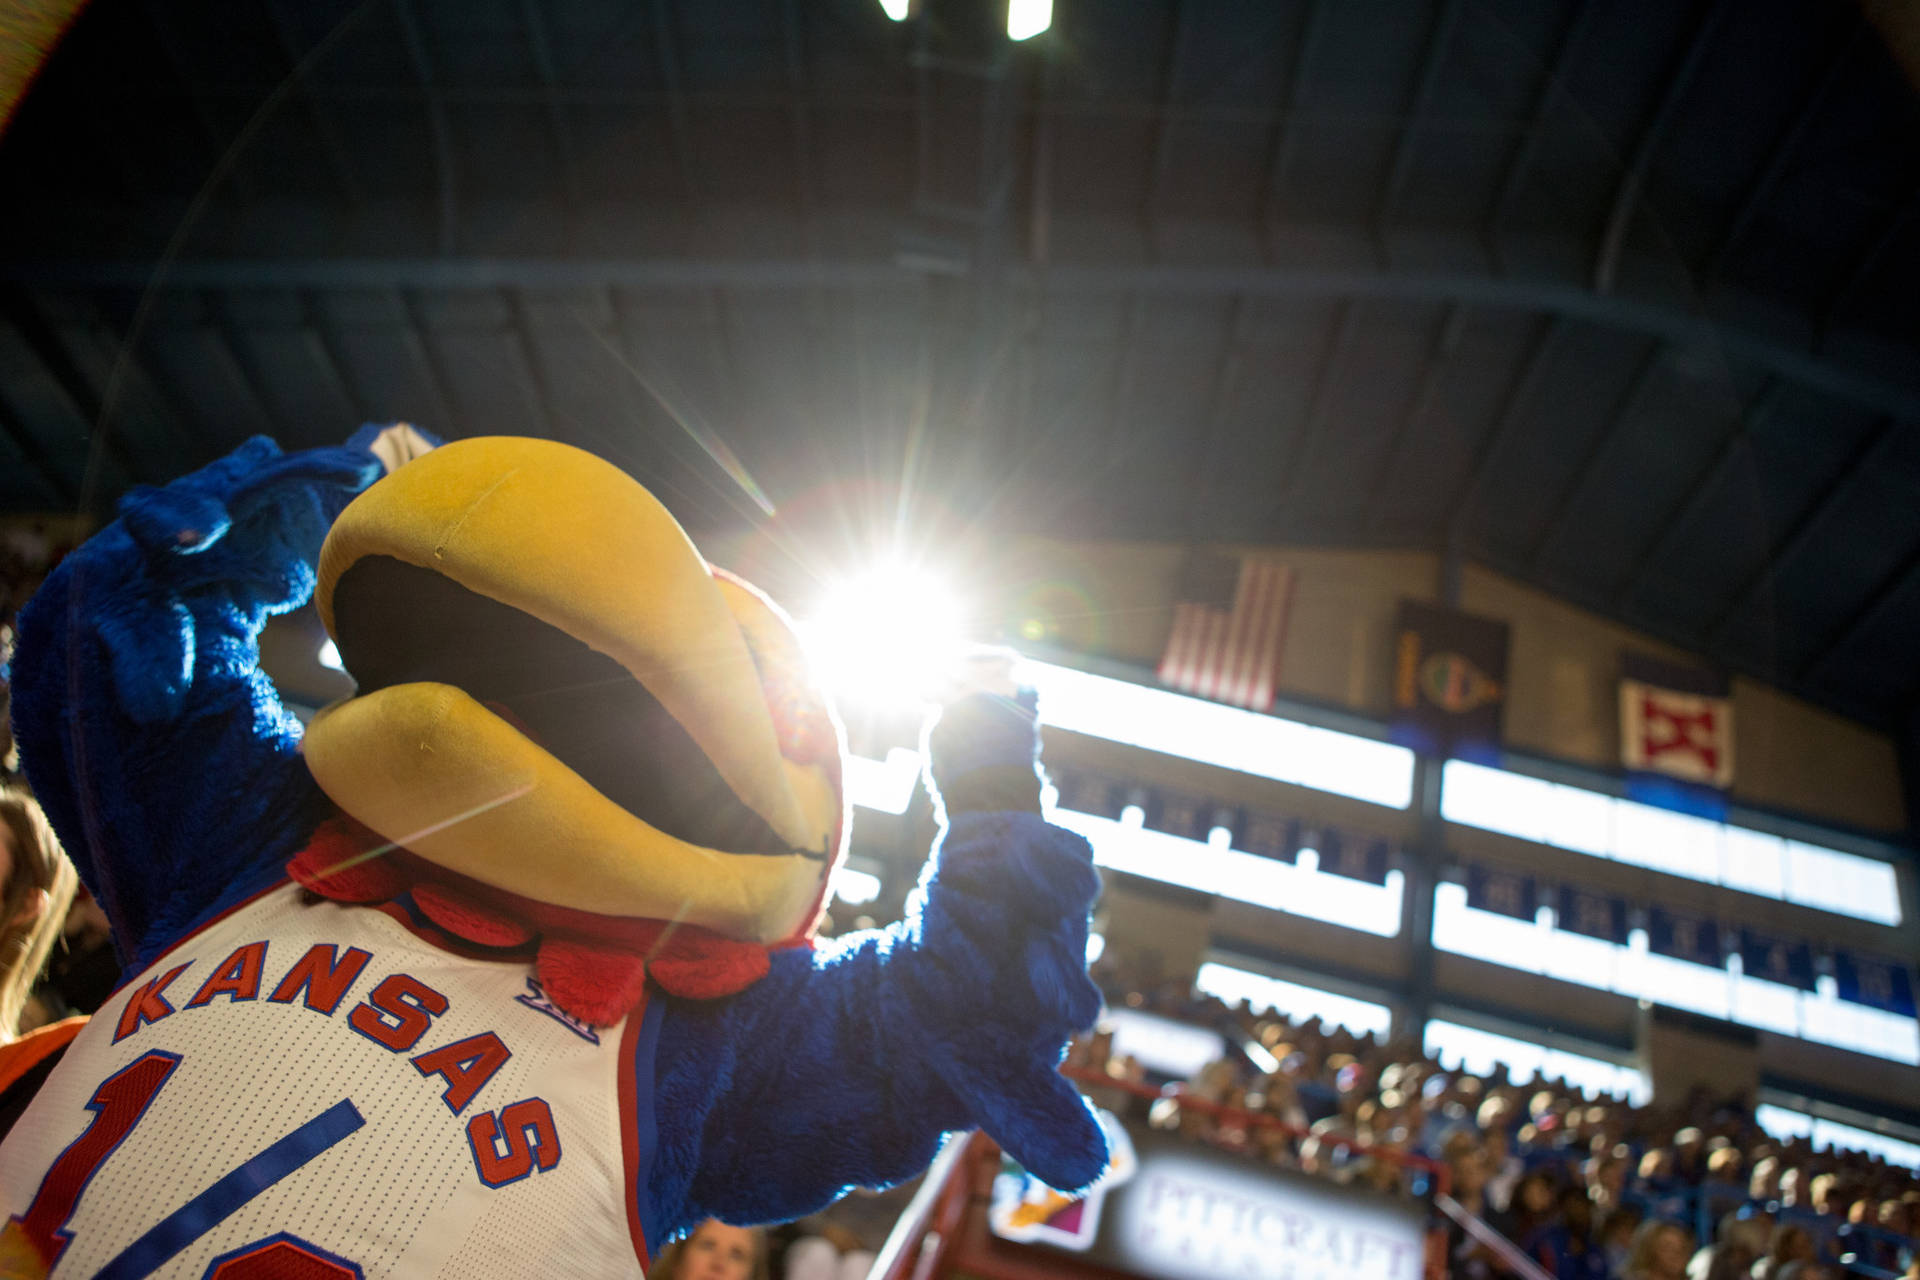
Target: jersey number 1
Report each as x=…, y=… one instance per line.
x=33, y=1241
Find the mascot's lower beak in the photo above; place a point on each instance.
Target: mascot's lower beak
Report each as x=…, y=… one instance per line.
x=558, y=698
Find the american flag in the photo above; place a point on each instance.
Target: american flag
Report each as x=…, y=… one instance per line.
x=1228, y=628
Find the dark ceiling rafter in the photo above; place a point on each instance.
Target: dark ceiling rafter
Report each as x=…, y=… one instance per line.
x=1867, y=390
x=520, y=330
x=1572, y=37
x=30, y=452
x=1872, y=253
x=1794, y=540
x=1701, y=489
x=1780, y=155
x=540, y=46
x=1548, y=333
x=339, y=166
x=1433, y=61
x=1273, y=187
x=230, y=346
x=417, y=337
x=1566, y=503
x=446, y=179
x=1203, y=462
x=1871, y=612
x=1326, y=375
x=22, y=313
x=793, y=43
x=1626, y=198
x=159, y=17
x=1040, y=179
x=319, y=336
x=140, y=379
x=1433, y=367
x=666, y=46
x=1182, y=21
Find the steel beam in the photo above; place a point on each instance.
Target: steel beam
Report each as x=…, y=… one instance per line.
x=667, y=53
x=1566, y=502
x=1871, y=612
x=1300, y=452
x=1571, y=38
x=339, y=165
x=1487, y=449
x=1439, y=36
x=1670, y=322
x=1896, y=224
x=1204, y=460
x=1274, y=184
x=541, y=45
x=1762, y=407
x=1782, y=152
x=437, y=124
x=416, y=334
x=799, y=114
x=1626, y=197
x=1446, y=338
x=83, y=399
x=35, y=458
x=1183, y=21
x=1791, y=543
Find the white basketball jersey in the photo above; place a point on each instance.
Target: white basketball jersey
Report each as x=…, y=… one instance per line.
x=318, y=1091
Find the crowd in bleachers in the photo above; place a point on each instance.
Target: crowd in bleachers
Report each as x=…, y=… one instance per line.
x=1590, y=1187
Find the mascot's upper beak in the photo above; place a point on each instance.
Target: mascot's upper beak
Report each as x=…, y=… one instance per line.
x=557, y=696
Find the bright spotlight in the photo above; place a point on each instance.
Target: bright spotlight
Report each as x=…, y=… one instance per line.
x=329, y=656
x=897, y=9
x=887, y=635
x=1028, y=18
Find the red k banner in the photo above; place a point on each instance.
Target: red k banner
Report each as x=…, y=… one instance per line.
x=1676, y=721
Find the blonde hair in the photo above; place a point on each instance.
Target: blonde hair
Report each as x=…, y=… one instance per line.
x=38, y=863
x=667, y=1265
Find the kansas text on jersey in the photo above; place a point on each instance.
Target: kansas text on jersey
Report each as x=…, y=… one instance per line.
x=348, y=1099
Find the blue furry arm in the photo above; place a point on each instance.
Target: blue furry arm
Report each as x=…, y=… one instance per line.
x=160, y=750
x=845, y=1066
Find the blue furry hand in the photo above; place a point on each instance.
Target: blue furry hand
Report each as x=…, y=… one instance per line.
x=198, y=564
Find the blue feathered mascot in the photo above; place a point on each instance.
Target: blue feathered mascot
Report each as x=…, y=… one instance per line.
x=504, y=965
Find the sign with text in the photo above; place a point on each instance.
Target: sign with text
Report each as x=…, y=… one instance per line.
x=1191, y=1213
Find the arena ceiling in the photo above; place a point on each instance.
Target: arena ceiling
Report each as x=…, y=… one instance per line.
x=1623, y=300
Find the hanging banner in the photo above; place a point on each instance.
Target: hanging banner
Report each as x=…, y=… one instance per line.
x=1449, y=682
x=1089, y=793
x=1268, y=835
x=1357, y=857
x=1505, y=893
x=1694, y=939
x=1875, y=981
x=1179, y=813
x=1596, y=915
x=1772, y=958
x=1676, y=735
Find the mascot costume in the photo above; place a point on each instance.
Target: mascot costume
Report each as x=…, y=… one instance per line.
x=505, y=965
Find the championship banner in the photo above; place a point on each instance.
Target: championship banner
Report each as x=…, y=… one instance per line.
x=1229, y=625
x=1775, y=959
x=1595, y=915
x=1694, y=939
x=1874, y=981
x=1449, y=682
x=1502, y=892
x=1676, y=735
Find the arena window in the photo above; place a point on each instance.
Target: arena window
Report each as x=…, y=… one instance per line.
x=1475, y=1050
x=886, y=786
x=1299, y=1003
x=1303, y=890
x=1536, y=946
x=1784, y=1124
x=1226, y=737
x=1591, y=822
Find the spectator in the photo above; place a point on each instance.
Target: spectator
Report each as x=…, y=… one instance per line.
x=715, y=1251
x=1660, y=1252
